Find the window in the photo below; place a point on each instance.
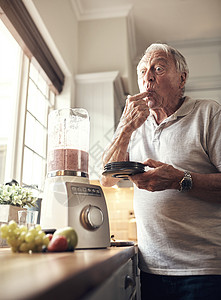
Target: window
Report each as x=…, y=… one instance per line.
x=28, y=87
x=9, y=62
x=37, y=101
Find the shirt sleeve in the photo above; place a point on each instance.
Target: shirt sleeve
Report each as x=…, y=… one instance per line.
x=214, y=140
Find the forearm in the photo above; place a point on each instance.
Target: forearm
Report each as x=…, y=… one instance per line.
x=116, y=151
x=206, y=186
x=161, y=176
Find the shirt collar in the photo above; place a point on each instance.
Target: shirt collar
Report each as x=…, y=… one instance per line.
x=183, y=110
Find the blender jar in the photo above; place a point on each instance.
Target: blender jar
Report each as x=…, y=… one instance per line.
x=68, y=142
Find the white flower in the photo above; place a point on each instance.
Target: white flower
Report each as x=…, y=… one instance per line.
x=16, y=195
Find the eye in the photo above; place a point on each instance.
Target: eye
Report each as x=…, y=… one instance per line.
x=159, y=69
x=142, y=72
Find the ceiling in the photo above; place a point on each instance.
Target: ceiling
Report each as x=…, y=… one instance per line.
x=157, y=20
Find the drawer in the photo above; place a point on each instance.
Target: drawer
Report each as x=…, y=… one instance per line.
x=120, y=286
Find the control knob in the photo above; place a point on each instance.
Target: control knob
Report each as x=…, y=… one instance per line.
x=91, y=217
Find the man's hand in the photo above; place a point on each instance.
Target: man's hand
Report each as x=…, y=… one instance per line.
x=160, y=177
x=135, y=112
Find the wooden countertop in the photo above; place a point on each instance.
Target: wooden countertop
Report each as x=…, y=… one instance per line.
x=66, y=275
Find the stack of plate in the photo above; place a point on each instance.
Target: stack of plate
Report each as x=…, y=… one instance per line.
x=123, y=169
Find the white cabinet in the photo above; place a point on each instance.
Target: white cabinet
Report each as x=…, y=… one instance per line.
x=124, y=284
x=102, y=95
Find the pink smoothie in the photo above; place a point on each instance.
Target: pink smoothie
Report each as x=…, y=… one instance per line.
x=68, y=159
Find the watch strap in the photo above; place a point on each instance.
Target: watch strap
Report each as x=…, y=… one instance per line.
x=186, y=182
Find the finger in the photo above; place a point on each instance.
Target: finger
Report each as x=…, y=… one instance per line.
x=135, y=102
x=153, y=163
x=139, y=96
x=140, y=177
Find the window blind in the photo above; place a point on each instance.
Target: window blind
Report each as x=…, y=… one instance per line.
x=19, y=22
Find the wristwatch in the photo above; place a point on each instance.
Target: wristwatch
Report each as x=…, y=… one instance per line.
x=186, y=183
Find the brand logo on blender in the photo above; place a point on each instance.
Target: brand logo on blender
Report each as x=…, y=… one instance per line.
x=69, y=194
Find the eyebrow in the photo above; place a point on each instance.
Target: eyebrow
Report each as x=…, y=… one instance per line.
x=157, y=59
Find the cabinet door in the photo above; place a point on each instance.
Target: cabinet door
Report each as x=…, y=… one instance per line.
x=98, y=93
x=120, y=286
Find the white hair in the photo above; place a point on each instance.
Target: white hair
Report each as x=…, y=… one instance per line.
x=179, y=59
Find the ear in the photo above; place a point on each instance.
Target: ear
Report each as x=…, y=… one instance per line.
x=183, y=78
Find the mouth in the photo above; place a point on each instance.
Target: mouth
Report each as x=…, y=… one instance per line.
x=150, y=91
x=149, y=94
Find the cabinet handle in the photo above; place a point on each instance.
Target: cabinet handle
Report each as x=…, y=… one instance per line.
x=129, y=281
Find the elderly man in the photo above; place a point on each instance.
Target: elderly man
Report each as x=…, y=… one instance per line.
x=177, y=200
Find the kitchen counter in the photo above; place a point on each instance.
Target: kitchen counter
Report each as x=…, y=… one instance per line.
x=65, y=275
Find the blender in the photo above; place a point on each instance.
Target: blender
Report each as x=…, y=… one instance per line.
x=69, y=199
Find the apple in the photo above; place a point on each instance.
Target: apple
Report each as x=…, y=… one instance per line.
x=58, y=244
x=70, y=235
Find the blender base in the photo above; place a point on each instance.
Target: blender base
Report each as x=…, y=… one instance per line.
x=71, y=201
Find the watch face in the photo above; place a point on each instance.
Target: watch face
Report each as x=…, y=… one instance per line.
x=186, y=184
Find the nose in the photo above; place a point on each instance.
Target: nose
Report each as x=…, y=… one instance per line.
x=149, y=76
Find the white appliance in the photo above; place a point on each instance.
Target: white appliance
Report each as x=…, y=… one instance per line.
x=69, y=199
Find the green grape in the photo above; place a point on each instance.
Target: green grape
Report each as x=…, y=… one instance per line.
x=22, y=239
x=11, y=233
x=4, y=235
x=38, y=240
x=13, y=242
x=33, y=231
x=31, y=246
x=17, y=231
x=4, y=228
x=23, y=228
x=24, y=247
x=22, y=236
x=38, y=228
x=4, y=231
x=12, y=225
x=41, y=233
x=29, y=237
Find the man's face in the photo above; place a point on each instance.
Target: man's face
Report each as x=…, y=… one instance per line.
x=158, y=76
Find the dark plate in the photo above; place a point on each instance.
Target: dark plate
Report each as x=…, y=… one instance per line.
x=123, y=169
x=47, y=231
x=122, y=243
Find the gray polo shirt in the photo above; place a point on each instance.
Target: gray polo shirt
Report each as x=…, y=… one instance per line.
x=179, y=234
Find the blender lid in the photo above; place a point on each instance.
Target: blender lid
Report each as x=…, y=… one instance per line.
x=123, y=169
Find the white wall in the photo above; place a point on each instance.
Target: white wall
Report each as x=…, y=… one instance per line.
x=103, y=46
